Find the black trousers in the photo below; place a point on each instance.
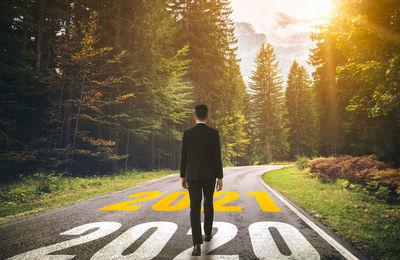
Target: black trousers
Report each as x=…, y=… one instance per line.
x=196, y=188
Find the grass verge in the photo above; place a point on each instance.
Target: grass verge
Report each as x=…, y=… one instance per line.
x=282, y=163
x=371, y=225
x=44, y=191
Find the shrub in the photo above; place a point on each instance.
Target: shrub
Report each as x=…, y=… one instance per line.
x=302, y=161
x=389, y=183
x=376, y=176
x=355, y=169
x=47, y=182
x=324, y=168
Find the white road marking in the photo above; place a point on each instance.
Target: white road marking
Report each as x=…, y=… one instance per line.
x=104, y=228
x=345, y=253
x=148, y=250
x=225, y=233
x=264, y=246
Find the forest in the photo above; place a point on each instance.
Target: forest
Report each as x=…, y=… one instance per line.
x=99, y=86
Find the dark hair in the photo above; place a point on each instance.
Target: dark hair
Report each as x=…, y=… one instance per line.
x=201, y=111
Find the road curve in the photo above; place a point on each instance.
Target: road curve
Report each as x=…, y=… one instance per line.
x=251, y=221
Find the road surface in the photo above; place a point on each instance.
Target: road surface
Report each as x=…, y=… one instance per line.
x=151, y=220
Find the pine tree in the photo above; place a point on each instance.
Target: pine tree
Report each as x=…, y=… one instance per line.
x=27, y=35
x=206, y=27
x=155, y=69
x=87, y=90
x=300, y=112
x=149, y=124
x=268, y=105
x=325, y=59
x=368, y=78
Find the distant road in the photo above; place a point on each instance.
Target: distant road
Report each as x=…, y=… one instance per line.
x=251, y=221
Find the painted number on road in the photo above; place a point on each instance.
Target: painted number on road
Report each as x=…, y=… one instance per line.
x=265, y=201
x=180, y=200
x=126, y=205
x=229, y=197
x=104, y=229
x=263, y=244
x=165, y=203
x=148, y=250
x=225, y=233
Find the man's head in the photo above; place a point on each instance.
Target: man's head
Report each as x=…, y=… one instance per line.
x=201, y=112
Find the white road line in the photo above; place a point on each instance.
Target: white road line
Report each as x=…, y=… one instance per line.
x=345, y=253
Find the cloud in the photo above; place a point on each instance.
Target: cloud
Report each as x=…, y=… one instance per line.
x=284, y=19
x=244, y=28
x=249, y=41
x=288, y=35
x=287, y=29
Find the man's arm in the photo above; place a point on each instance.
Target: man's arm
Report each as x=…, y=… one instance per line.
x=217, y=157
x=183, y=161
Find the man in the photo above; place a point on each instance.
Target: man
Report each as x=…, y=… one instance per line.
x=200, y=166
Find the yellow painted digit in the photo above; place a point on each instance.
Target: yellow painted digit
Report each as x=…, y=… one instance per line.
x=147, y=195
x=229, y=197
x=265, y=202
x=165, y=203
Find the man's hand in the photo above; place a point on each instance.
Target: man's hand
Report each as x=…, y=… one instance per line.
x=219, y=184
x=184, y=183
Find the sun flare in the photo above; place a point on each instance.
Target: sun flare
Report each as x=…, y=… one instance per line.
x=313, y=10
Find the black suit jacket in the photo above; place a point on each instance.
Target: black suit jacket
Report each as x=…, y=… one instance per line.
x=201, y=153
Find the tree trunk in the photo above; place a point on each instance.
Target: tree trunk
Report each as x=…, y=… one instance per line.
x=172, y=153
x=118, y=24
x=159, y=158
x=78, y=113
x=58, y=137
x=268, y=149
x=68, y=120
x=152, y=150
x=127, y=149
x=115, y=163
x=334, y=120
x=39, y=34
x=297, y=123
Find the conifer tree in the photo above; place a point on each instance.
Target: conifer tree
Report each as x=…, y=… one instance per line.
x=155, y=68
x=268, y=106
x=300, y=115
x=368, y=76
x=86, y=89
x=206, y=27
x=149, y=124
x=329, y=114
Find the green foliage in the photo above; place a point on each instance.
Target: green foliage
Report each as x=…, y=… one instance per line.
x=324, y=58
x=43, y=190
x=47, y=183
x=82, y=69
x=91, y=86
x=367, y=222
x=356, y=82
x=382, y=191
x=214, y=70
x=102, y=85
x=302, y=162
x=299, y=103
x=25, y=97
x=266, y=108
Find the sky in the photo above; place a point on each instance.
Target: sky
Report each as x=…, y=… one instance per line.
x=285, y=24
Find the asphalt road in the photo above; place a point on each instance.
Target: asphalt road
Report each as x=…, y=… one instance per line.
x=251, y=221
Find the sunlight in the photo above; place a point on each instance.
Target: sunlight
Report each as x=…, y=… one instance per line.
x=314, y=10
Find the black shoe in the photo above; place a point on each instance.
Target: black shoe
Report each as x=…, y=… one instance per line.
x=196, y=250
x=207, y=238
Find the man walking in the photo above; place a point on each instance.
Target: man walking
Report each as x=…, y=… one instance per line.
x=200, y=167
